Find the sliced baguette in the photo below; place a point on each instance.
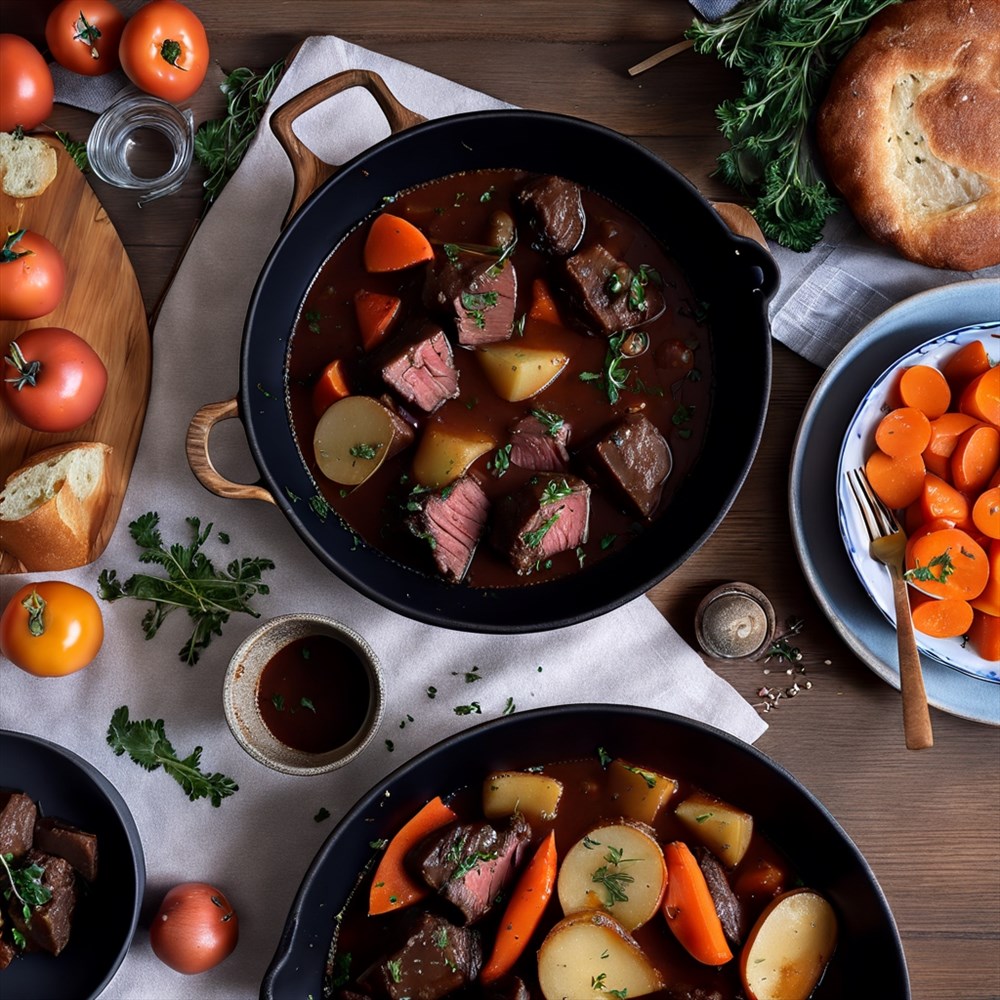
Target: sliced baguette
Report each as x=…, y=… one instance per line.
x=27, y=165
x=52, y=507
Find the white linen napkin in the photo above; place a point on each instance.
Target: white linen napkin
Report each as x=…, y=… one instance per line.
x=257, y=845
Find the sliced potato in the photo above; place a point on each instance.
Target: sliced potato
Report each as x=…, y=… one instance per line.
x=590, y=955
x=789, y=947
x=638, y=792
x=518, y=372
x=535, y=796
x=618, y=868
x=444, y=454
x=722, y=828
x=352, y=439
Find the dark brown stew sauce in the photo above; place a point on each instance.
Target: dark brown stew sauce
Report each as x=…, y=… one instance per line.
x=457, y=210
x=587, y=802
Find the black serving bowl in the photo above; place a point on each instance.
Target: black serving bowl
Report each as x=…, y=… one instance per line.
x=784, y=811
x=67, y=787
x=733, y=277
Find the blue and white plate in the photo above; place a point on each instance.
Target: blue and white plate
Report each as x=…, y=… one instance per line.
x=813, y=499
x=859, y=443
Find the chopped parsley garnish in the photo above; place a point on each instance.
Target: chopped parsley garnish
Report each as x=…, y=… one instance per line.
x=365, y=450
x=534, y=538
x=552, y=422
x=614, y=881
x=942, y=563
x=555, y=490
x=476, y=303
x=473, y=708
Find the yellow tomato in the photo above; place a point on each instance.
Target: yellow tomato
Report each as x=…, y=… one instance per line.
x=51, y=629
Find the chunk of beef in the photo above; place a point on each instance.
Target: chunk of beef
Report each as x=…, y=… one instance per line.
x=49, y=925
x=424, y=372
x=727, y=904
x=549, y=514
x=555, y=212
x=604, y=288
x=636, y=459
x=452, y=520
x=7, y=951
x=469, y=864
x=404, y=430
x=76, y=846
x=437, y=959
x=477, y=293
x=17, y=823
x=538, y=442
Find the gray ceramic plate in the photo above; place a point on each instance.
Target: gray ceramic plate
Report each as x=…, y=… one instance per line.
x=812, y=496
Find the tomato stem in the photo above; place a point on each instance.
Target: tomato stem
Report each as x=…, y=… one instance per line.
x=34, y=604
x=27, y=371
x=8, y=253
x=88, y=34
x=171, y=51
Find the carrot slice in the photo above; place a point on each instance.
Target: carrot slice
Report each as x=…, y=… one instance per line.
x=975, y=458
x=937, y=524
x=393, y=244
x=986, y=512
x=376, y=314
x=897, y=481
x=944, y=618
x=524, y=911
x=925, y=389
x=903, y=431
x=948, y=563
x=946, y=430
x=689, y=908
x=330, y=386
x=543, y=306
x=393, y=887
x=940, y=499
x=981, y=397
x=984, y=636
x=989, y=600
x=965, y=364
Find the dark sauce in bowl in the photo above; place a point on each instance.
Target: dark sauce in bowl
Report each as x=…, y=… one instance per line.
x=314, y=694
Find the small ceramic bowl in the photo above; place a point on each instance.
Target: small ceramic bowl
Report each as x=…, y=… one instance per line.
x=361, y=685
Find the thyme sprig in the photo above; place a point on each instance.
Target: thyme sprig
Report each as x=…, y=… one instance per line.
x=786, y=53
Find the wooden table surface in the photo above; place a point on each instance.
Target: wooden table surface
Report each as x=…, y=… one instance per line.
x=926, y=821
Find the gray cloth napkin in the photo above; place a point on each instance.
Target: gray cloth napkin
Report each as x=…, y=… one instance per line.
x=257, y=845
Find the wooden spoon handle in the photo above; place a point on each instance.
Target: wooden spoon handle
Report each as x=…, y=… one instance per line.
x=308, y=169
x=916, y=715
x=201, y=463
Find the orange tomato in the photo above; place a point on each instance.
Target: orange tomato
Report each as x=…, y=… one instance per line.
x=51, y=628
x=164, y=50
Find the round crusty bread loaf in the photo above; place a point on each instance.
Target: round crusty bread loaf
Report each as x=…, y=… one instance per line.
x=910, y=131
x=51, y=508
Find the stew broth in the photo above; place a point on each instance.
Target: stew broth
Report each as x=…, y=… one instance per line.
x=457, y=210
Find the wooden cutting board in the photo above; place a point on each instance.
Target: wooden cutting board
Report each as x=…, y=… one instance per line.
x=103, y=305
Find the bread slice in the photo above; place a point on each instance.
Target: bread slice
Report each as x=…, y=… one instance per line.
x=27, y=165
x=51, y=508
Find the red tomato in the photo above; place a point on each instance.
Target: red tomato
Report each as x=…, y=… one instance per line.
x=164, y=50
x=58, y=379
x=194, y=929
x=51, y=629
x=83, y=35
x=32, y=276
x=26, y=89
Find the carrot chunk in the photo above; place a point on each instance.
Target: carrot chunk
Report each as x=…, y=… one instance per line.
x=946, y=430
x=984, y=636
x=948, y=563
x=975, y=458
x=965, y=364
x=393, y=244
x=940, y=499
x=330, y=386
x=543, y=306
x=524, y=911
x=925, y=389
x=376, y=314
x=981, y=397
x=945, y=618
x=986, y=512
x=897, y=481
x=393, y=887
x=988, y=601
x=903, y=431
x=689, y=908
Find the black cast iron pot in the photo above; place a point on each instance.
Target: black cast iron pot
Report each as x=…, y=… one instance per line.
x=734, y=275
x=868, y=959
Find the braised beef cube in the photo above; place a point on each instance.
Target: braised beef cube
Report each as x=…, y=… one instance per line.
x=727, y=904
x=49, y=925
x=635, y=457
x=469, y=864
x=538, y=442
x=452, y=521
x=555, y=212
x=403, y=426
x=437, y=959
x=610, y=292
x=549, y=514
x=477, y=293
x=77, y=847
x=7, y=952
x=17, y=823
x=424, y=372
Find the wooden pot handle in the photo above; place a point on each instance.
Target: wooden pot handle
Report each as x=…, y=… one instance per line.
x=740, y=221
x=200, y=461
x=308, y=169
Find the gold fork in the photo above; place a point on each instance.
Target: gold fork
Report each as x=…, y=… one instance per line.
x=887, y=544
